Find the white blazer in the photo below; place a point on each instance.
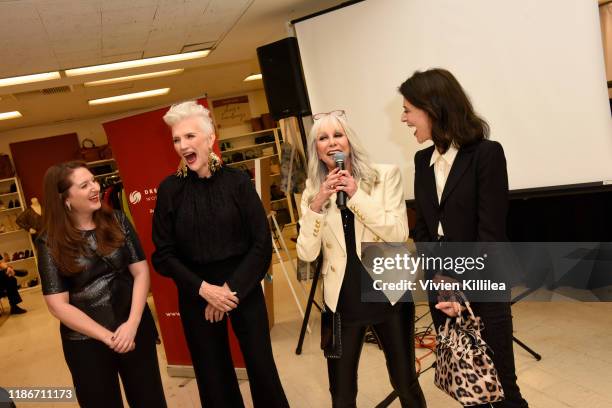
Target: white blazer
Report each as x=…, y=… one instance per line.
x=380, y=215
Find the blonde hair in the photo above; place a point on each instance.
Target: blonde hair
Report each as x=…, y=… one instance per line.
x=361, y=166
x=184, y=110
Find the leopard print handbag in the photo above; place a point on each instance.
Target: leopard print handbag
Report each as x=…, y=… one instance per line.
x=463, y=369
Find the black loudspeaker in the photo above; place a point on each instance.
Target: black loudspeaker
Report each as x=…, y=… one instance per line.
x=283, y=78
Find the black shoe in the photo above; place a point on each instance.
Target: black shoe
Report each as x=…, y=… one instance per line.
x=20, y=273
x=17, y=310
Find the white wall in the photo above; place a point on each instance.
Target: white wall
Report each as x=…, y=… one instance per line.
x=258, y=105
x=605, y=18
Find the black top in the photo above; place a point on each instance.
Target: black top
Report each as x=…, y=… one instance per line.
x=213, y=229
x=103, y=290
x=350, y=306
x=474, y=203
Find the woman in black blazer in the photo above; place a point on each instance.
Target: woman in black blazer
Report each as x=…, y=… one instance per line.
x=461, y=195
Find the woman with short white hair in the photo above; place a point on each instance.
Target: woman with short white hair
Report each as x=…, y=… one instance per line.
x=375, y=211
x=212, y=238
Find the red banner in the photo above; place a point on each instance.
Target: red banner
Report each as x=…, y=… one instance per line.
x=142, y=147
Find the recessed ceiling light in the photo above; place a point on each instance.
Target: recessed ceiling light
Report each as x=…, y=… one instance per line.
x=252, y=77
x=129, y=97
x=10, y=115
x=26, y=79
x=135, y=77
x=94, y=69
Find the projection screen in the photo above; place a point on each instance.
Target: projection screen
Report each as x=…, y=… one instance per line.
x=533, y=69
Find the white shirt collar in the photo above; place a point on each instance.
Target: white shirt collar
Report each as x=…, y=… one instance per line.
x=448, y=156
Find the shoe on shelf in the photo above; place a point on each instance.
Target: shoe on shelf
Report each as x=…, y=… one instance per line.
x=13, y=188
x=20, y=273
x=11, y=204
x=15, y=310
x=17, y=203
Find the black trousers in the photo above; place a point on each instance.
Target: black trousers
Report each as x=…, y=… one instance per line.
x=396, y=335
x=94, y=368
x=497, y=333
x=10, y=285
x=212, y=361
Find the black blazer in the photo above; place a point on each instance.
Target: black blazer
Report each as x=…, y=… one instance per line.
x=474, y=202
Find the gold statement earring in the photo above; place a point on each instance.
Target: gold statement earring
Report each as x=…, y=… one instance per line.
x=182, y=169
x=214, y=163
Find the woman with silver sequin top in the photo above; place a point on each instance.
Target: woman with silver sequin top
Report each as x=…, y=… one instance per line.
x=95, y=280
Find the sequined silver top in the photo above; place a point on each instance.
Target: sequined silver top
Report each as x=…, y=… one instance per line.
x=103, y=290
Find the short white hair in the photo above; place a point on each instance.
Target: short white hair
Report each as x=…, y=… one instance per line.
x=184, y=110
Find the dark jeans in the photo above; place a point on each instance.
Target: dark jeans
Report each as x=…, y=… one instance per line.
x=94, y=368
x=212, y=361
x=10, y=285
x=396, y=335
x=497, y=333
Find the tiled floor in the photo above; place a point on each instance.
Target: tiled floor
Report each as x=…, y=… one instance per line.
x=573, y=339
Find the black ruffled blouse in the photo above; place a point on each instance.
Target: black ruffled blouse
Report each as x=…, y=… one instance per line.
x=103, y=290
x=211, y=229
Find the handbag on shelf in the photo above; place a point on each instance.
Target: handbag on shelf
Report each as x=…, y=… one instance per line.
x=463, y=369
x=90, y=152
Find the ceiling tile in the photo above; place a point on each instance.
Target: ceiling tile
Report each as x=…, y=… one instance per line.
x=107, y=59
x=66, y=7
x=114, y=5
x=129, y=16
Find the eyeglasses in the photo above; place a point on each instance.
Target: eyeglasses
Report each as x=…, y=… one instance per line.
x=337, y=113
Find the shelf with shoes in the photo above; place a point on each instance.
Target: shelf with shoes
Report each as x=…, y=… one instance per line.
x=241, y=151
x=16, y=246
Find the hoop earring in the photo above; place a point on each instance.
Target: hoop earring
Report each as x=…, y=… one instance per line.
x=214, y=163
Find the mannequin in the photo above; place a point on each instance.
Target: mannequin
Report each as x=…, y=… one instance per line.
x=31, y=219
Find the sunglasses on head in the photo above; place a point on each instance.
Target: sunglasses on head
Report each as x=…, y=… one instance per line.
x=337, y=113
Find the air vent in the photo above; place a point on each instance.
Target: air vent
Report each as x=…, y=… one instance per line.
x=56, y=90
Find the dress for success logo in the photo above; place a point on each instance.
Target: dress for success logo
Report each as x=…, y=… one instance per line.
x=135, y=197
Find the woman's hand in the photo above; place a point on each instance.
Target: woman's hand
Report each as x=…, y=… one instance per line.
x=452, y=309
x=213, y=315
x=327, y=188
x=123, y=338
x=447, y=299
x=108, y=338
x=220, y=297
x=10, y=272
x=347, y=183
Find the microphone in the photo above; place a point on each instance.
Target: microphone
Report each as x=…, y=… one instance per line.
x=340, y=195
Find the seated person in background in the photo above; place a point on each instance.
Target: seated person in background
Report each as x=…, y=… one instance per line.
x=8, y=283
